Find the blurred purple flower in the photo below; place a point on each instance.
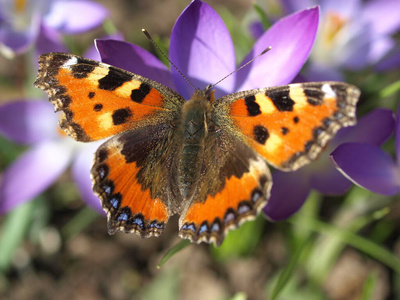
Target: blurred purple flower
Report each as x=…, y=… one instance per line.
x=202, y=49
x=32, y=122
x=50, y=153
x=290, y=190
x=352, y=35
x=369, y=166
x=24, y=22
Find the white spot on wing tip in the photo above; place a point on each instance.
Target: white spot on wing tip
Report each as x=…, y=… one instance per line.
x=70, y=62
x=327, y=89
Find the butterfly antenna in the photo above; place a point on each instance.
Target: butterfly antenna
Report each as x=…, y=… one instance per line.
x=241, y=67
x=147, y=34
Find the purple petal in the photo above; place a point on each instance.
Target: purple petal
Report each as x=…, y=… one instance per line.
x=81, y=173
x=329, y=181
x=347, y=9
x=49, y=40
x=256, y=29
x=32, y=173
x=397, y=135
x=374, y=128
x=317, y=72
x=16, y=41
x=75, y=16
x=202, y=49
x=289, y=191
x=383, y=15
x=93, y=53
x=28, y=122
x=391, y=62
x=134, y=59
x=291, y=6
x=291, y=40
x=368, y=166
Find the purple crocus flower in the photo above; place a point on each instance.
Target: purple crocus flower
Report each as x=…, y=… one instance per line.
x=202, y=49
x=22, y=22
x=290, y=190
x=369, y=166
x=352, y=35
x=32, y=122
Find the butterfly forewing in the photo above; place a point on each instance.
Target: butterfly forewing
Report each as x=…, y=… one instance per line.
x=290, y=125
x=99, y=100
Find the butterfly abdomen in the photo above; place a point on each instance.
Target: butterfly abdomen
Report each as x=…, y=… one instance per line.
x=193, y=130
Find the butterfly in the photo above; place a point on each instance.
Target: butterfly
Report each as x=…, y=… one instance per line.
x=204, y=159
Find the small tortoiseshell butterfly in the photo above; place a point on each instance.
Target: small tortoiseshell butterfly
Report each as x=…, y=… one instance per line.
x=203, y=159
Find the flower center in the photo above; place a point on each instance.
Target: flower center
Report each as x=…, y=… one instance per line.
x=19, y=6
x=331, y=26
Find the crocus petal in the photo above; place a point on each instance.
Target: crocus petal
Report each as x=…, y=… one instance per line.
x=329, y=181
x=397, y=136
x=347, y=9
x=73, y=17
x=383, y=15
x=81, y=174
x=28, y=122
x=291, y=6
x=374, y=128
x=289, y=191
x=49, y=40
x=391, y=62
x=318, y=72
x=134, y=59
x=14, y=41
x=368, y=166
x=291, y=39
x=93, y=53
x=32, y=173
x=202, y=49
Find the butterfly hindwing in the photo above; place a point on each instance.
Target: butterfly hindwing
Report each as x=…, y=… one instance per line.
x=99, y=100
x=131, y=176
x=290, y=125
x=233, y=188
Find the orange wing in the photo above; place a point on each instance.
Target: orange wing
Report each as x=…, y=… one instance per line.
x=241, y=189
x=99, y=100
x=131, y=177
x=290, y=125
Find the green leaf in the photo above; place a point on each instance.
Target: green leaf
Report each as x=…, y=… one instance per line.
x=288, y=271
x=171, y=252
x=390, y=89
x=242, y=241
x=369, y=286
x=14, y=230
x=374, y=250
x=81, y=220
x=263, y=16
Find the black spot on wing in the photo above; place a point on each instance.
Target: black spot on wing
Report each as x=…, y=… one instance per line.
x=91, y=95
x=139, y=94
x=281, y=100
x=98, y=107
x=253, y=109
x=121, y=116
x=261, y=134
x=114, y=79
x=80, y=71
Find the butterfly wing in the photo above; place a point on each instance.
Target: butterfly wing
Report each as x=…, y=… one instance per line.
x=132, y=176
x=290, y=125
x=233, y=187
x=99, y=100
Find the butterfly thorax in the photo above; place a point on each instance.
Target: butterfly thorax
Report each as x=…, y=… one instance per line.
x=195, y=120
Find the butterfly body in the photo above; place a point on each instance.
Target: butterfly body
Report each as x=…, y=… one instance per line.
x=204, y=159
